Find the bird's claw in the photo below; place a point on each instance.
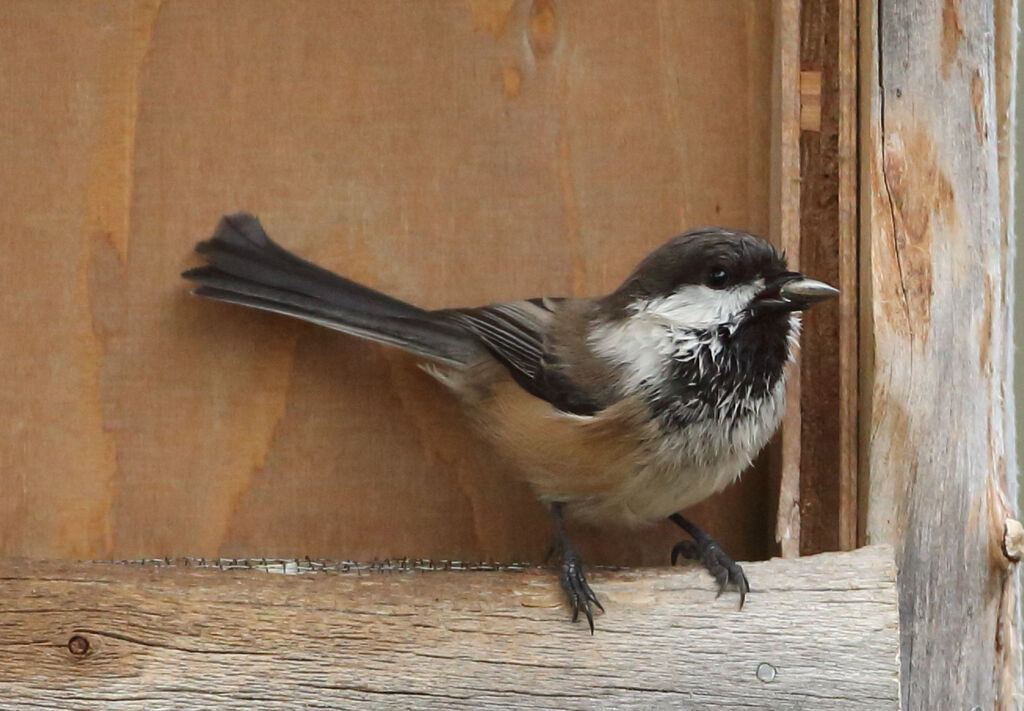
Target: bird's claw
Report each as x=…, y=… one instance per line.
x=725, y=571
x=576, y=587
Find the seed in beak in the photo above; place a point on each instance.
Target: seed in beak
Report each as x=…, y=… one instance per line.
x=806, y=290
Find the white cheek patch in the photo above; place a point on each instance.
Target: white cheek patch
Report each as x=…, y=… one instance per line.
x=662, y=329
x=696, y=306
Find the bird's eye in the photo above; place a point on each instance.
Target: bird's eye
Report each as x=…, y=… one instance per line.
x=717, y=278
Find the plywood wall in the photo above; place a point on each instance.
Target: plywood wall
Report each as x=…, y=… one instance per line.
x=452, y=153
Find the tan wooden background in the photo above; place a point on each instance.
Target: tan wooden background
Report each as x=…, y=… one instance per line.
x=452, y=153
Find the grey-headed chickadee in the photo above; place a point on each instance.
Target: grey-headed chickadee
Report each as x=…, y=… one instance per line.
x=622, y=409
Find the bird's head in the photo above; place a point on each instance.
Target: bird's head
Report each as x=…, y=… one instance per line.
x=716, y=278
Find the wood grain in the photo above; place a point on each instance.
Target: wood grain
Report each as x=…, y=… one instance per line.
x=938, y=428
x=817, y=632
x=452, y=153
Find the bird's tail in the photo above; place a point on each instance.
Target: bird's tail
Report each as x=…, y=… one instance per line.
x=244, y=266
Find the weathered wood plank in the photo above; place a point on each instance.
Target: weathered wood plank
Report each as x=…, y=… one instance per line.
x=818, y=632
x=937, y=262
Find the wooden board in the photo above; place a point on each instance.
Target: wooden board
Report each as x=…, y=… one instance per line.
x=937, y=277
x=452, y=153
x=817, y=632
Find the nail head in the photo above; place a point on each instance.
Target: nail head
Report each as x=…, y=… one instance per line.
x=766, y=672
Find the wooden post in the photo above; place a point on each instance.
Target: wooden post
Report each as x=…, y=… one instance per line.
x=937, y=419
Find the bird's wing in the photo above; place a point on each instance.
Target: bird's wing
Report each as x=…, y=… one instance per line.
x=516, y=334
x=513, y=331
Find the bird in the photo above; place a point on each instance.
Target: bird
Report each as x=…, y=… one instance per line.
x=618, y=410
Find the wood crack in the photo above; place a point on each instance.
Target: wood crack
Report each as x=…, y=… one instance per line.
x=890, y=202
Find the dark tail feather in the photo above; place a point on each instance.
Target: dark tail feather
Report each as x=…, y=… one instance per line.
x=246, y=267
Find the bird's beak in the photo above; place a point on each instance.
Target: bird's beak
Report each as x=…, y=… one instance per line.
x=792, y=292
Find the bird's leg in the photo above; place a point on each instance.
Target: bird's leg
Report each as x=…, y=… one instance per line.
x=704, y=549
x=571, y=576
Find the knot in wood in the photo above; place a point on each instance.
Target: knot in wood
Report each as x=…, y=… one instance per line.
x=78, y=645
x=1013, y=539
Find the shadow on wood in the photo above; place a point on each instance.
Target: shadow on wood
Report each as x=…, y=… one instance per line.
x=817, y=632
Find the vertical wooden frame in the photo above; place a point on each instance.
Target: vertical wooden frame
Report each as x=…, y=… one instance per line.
x=828, y=251
x=849, y=279
x=786, y=234
x=936, y=282
x=815, y=205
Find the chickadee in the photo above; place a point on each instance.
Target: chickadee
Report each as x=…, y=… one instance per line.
x=623, y=409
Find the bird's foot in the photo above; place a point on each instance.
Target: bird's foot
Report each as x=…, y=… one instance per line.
x=708, y=553
x=576, y=587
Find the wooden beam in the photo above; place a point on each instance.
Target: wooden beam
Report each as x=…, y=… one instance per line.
x=937, y=311
x=816, y=632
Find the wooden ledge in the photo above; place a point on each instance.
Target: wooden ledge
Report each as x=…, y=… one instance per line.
x=818, y=632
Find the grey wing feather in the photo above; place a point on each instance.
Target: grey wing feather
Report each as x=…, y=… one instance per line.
x=517, y=333
x=514, y=331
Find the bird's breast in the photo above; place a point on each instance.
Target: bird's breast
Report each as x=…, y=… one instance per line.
x=686, y=464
